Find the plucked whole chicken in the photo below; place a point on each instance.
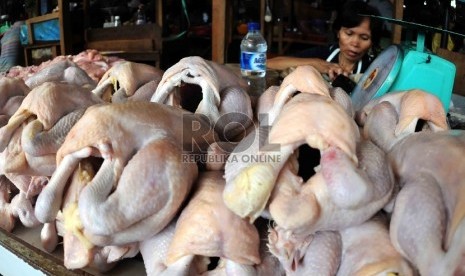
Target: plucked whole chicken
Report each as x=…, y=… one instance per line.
x=179, y=169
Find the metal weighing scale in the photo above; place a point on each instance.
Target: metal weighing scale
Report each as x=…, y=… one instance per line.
x=403, y=67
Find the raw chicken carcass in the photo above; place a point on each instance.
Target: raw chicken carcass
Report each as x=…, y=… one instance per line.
x=12, y=93
x=249, y=184
x=206, y=227
x=266, y=101
x=350, y=184
x=94, y=63
x=21, y=190
x=38, y=127
x=269, y=265
x=20, y=206
x=224, y=101
x=388, y=119
x=256, y=137
x=79, y=252
x=427, y=225
x=154, y=250
x=127, y=80
x=304, y=79
x=321, y=253
x=29, y=185
x=368, y=251
x=7, y=219
x=143, y=178
x=339, y=195
x=341, y=97
x=61, y=69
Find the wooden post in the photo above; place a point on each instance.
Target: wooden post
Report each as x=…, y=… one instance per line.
x=159, y=13
x=65, y=35
x=218, y=30
x=398, y=14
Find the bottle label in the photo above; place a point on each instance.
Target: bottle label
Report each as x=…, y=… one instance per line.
x=253, y=61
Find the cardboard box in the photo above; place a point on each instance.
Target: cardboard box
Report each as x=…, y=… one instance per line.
x=459, y=60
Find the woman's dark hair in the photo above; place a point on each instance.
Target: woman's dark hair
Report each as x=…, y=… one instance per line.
x=348, y=16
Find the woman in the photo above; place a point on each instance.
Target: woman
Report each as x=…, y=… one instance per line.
x=355, y=35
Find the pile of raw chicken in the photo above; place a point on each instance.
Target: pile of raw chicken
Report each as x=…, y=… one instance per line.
x=115, y=159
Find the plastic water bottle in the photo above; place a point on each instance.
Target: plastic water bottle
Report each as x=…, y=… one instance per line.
x=140, y=17
x=253, y=59
x=117, y=21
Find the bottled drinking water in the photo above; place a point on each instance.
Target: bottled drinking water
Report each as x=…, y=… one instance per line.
x=253, y=59
x=117, y=21
x=140, y=16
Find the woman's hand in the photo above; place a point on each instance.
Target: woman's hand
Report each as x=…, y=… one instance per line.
x=331, y=69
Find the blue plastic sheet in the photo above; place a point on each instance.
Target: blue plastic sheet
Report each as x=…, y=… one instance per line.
x=23, y=35
x=43, y=31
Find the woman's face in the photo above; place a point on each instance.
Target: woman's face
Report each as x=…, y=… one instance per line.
x=355, y=42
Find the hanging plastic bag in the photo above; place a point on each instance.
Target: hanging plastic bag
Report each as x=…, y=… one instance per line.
x=4, y=27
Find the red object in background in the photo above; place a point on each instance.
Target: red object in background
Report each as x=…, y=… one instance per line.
x=242, y=28
x=201, y=30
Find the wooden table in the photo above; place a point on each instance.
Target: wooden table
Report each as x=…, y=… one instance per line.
x=21, y=253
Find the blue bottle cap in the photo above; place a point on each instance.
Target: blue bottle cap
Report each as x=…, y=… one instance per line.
x=253, y=26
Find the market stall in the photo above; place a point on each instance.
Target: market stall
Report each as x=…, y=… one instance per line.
x=115, y=167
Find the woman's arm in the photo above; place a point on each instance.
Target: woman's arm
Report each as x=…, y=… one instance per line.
x=284, y=62
x=324, y=67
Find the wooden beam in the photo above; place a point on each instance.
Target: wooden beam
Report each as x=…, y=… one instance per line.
x=65, y=23
x=159, y=12
x=398, y=14
x=218, y=30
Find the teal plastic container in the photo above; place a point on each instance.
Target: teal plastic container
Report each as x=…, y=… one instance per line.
x=426, y=71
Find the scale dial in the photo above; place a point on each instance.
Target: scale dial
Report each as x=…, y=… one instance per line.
x=379, y=76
